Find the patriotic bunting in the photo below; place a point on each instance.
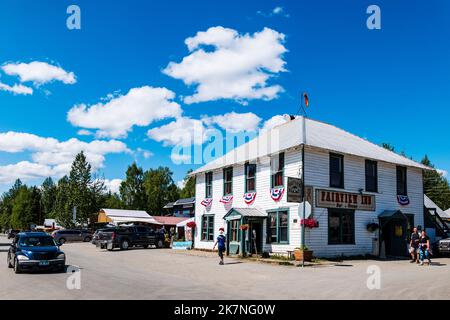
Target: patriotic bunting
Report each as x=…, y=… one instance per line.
x=226, y=199
x=403, y=200
x=206, y=202
x=277, y=193
x=249, y=197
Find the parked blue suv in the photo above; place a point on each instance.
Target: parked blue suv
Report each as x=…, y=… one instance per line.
x=35, y=251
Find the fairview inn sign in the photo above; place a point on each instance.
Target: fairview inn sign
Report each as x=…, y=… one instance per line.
x=344, y=200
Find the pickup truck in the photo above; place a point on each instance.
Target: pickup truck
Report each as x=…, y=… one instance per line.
x=125, y=237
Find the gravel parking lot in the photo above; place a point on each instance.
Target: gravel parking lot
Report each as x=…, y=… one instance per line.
x=164, y=274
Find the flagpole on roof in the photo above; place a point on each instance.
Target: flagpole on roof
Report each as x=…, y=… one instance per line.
x=304, y=97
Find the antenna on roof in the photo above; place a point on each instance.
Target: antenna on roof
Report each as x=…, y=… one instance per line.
x=304, y=102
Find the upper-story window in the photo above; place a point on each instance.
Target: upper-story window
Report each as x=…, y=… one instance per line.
x=277, y=168
x=250, y=177
x=227, y=181
x=401, y=181
x=371, y=176
x=208, y=183
x=336, y=170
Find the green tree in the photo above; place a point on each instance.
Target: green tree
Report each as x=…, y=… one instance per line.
x=62, y=211
x=435, y=186
x=48, y=197
x=160, y=189
x=188, y=189
x=132, y=189
x=113, y=201
x=26, y=208
x=388, y=146
x=6, y=204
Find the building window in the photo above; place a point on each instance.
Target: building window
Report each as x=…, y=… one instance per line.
x=278, y=227
x=336, y=171
x=250, y=177
x=227, y=181
x=371, y=176
x=277, y=168
x=208, y=183
x=234, y=231
x=401, y=181
x=341, y=226
x=208, y=228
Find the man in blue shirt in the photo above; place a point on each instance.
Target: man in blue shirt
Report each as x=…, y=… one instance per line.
x=221, y=240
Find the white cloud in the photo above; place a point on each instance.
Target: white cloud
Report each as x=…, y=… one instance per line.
x=84, y=132
x=235, y=122
x=39, y=72
x=145, y=153
x=273, y=122
x=180, y=184
x=115, y=118
x=181, y=132
x=24, y=170
x=113, y=185
x=277, y=10
x=16, y=88
x=443, y=173
x=50, y=156
x=178, y=158
x=238, y=68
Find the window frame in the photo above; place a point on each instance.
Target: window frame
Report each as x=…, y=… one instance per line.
x=208, y=185
x=207, y=232
x=225, y=182
x=375, y=163
x=341, y=213
x=235, y=227
x=341, y=157
x=405, y=182
x=281, y=159
x=269, y=227
x=247, y=165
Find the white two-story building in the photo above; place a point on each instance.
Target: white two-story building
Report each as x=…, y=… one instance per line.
x=351, y=187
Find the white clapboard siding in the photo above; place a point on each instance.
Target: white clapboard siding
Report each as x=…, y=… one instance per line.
x=316, y=175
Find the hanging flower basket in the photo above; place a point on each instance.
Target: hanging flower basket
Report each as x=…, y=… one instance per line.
x=310, y=223
x=372, y=227
x=191, y=224
x=244, y=227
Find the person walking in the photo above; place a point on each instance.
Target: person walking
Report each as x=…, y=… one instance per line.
x=414, y=246
x=221, y=240
x=424, y=248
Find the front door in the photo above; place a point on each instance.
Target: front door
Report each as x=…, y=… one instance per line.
x=256, y=237
x=395, y=237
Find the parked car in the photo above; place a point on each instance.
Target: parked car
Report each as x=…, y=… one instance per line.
x=62, y=236
x=444, y=247
x=12, y=233
x=125, y=237
x=35, y=251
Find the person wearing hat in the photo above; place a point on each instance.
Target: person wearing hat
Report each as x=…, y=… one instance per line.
x=221, y=240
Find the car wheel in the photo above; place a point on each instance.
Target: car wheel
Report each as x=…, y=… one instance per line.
x=160, y=244
x=87, y=239
x=124, y=245
x=8, y=260
x=145, y=246
x=17, y=266
x=62, y=240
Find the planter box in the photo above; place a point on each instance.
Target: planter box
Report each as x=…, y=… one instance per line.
x=303, y=254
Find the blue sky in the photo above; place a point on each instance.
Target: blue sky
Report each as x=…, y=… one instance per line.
x=389, y=85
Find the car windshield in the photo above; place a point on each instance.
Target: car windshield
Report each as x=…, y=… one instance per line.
x=39, y=241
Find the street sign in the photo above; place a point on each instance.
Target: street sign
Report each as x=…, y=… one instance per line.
x=294, y=190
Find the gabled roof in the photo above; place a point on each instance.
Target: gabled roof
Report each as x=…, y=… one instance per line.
x=184, y=201
x=318, y=134
x=429, y=204
x=172, y=221
x=244, y=212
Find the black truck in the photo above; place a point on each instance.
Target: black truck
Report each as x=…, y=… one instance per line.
x=125, y=237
